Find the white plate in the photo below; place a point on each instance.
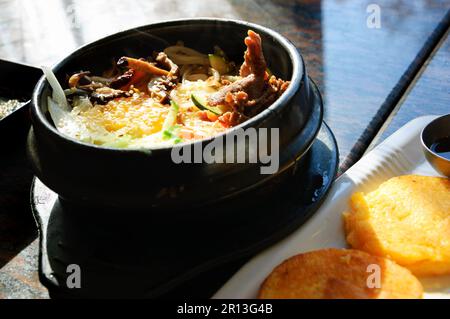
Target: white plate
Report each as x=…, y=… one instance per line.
x=399, y=154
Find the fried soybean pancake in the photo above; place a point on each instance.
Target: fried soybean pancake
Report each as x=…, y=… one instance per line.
x=406, y=219
x=340, y=274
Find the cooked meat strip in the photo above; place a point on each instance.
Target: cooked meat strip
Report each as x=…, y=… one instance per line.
x=272, y=91
x=255, y=90
x=254, y=62
x=253, y=71
x=230, y=119
x=242, y=85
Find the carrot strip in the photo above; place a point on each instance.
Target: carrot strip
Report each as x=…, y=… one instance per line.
x=143, y=66
x=138, y=77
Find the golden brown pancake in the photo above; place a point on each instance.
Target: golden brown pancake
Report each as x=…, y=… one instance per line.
x=406, y=219
x=339, y=274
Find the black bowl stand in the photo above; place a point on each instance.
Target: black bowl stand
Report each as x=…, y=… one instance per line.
x=129, y=255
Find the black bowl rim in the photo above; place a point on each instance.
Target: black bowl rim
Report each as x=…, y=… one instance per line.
x=425, y=146
x=298, y=68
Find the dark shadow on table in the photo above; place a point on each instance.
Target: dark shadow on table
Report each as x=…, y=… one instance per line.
x=17, y=226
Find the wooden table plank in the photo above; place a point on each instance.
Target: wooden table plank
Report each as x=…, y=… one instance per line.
x=429, y=94
x=362, y=72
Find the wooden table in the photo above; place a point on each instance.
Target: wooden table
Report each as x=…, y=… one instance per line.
x=373, y=80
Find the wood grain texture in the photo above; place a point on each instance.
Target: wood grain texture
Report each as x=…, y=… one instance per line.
x=429, y=94
x=358, y=69
x=362, y=73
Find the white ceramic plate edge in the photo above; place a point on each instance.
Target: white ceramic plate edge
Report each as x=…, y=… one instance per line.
x=399, y=154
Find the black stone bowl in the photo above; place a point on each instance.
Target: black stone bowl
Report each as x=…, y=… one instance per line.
x=135, y=179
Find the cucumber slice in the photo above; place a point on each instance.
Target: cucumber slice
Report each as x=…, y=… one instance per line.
x=171, y=118
x=219, y=52
x=218, y=63
x=203, y=105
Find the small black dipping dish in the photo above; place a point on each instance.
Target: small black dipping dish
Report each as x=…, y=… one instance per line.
x=436, y=144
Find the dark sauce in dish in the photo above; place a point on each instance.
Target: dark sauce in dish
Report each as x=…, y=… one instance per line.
x=442, y=147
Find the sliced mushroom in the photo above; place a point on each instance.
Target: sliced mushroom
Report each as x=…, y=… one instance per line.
x=123, y=79
x=105, y=94
x=164, y=61
x=75, y=79
x=159, y=88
